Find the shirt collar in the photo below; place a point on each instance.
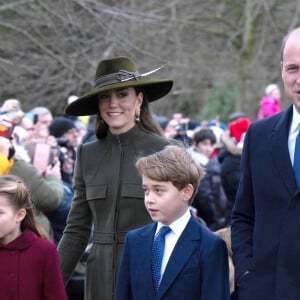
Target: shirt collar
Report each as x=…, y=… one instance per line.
x=295, y=121
x=179, y=225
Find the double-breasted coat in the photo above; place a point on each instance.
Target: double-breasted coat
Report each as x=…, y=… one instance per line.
x=108, y=195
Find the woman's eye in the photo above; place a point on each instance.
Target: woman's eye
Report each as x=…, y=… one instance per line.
x=122, y=94
x=103, y=97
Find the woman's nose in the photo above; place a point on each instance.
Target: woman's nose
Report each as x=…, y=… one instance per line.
x=113, y=101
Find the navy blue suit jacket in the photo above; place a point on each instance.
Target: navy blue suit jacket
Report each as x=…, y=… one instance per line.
x=266, y=217
x=197, y=268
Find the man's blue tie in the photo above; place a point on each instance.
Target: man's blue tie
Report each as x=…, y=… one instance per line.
x=297, y=160
x=157, y=254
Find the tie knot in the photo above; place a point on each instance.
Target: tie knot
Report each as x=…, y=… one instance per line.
x=164, y=230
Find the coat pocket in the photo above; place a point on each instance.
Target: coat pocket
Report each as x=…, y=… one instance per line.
x=96, y=192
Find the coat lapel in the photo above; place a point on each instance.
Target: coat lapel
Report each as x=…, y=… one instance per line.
x=279, y=150
x=184, y=248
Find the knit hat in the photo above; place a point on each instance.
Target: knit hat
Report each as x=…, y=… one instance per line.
x=270, y=88
x=238, y=127
x=60, y=125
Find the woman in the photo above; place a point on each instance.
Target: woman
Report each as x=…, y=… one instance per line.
x=107, y=189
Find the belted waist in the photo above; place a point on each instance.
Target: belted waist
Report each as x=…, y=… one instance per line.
x=108, y=237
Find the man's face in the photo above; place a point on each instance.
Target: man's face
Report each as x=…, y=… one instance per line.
x=290, y=71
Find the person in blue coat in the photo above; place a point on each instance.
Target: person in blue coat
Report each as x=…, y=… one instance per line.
x=194, y=262
x=266, y=215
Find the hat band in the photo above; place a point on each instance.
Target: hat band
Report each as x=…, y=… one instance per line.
x=121, y=76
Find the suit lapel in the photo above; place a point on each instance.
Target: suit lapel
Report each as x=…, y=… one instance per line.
x=279, y=150
x=184, y=248
x=143, y=248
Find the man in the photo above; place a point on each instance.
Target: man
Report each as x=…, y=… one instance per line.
x=266, y=216
x=41, y=118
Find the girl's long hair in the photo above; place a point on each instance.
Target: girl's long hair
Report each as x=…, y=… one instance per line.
x=14, y=189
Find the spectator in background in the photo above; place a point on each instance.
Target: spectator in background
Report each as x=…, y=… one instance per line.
x=66, y=135
x=41, y=118
x=107, y=188
x=230, y=157
x=46, y=189
x=64, y=130
x=177, y=128
x=210, y=199
x=270, y=103
x=225, y=234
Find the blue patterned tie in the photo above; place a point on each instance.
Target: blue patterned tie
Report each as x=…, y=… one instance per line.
x=297, y=160
x=157, y=254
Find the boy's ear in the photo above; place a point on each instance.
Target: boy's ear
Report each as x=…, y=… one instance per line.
x=21, y=215
x=188, y=192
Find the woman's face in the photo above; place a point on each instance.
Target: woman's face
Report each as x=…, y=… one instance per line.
x=117, y=108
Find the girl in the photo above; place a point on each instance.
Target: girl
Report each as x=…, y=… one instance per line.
x=29, y=263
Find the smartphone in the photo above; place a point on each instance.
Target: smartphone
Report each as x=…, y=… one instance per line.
x=54, y=155
x=41, y=157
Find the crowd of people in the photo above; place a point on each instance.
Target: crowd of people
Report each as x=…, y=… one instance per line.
x=139, y=208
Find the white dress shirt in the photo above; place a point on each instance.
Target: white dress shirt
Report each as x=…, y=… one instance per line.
x=172, y=237
x=294, y=129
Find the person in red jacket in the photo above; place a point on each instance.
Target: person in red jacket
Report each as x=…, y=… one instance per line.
x=29, y=263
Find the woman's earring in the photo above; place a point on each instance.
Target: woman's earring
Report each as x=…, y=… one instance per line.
x=137, y=114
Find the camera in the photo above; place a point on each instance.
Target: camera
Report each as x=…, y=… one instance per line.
x=63, y=142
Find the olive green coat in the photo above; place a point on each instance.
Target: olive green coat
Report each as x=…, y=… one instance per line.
x=108, y=195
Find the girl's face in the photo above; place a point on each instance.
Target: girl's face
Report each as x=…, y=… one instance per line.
x=10, y=221
x=117, y=108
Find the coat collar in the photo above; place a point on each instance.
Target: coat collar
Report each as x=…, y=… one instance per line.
x=22, y=242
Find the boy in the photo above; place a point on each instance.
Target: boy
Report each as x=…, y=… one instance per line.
x=195, y=261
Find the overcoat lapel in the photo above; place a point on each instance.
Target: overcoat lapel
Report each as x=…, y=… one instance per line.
x=184, y=248
x=279, y=150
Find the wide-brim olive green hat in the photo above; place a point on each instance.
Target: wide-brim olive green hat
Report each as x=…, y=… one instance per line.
x=115, y=73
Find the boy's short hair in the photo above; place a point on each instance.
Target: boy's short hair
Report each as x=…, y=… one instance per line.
x=172, y=164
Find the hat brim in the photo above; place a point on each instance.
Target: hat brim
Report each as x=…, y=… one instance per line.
x=87, y=104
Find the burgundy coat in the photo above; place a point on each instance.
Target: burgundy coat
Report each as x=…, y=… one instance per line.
x=30, y=269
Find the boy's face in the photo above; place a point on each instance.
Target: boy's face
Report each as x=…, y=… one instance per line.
x=164, y=202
